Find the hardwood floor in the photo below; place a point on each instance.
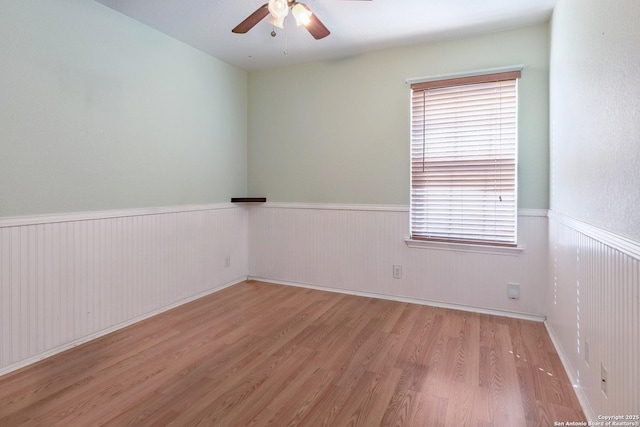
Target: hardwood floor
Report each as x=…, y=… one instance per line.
x=264, y=354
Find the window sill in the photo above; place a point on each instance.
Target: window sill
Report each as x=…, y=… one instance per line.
x=465, y=247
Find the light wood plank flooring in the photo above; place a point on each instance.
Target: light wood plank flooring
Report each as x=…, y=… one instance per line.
x=264, y=354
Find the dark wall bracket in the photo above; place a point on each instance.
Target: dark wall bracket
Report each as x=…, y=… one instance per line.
x=248, y=199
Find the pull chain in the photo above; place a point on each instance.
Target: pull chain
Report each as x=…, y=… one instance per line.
x=286, y=40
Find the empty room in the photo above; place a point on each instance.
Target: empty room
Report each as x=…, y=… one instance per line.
x=336, y=212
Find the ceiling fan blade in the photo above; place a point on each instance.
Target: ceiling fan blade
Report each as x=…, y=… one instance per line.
x=317, y=28
x=252, y=19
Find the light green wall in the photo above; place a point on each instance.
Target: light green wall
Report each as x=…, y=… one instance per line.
x=595, y=113
x=100, y=112
x=338, y=131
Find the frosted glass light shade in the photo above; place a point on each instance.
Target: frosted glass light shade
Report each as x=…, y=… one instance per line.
x=279, y=9
x=302, y=14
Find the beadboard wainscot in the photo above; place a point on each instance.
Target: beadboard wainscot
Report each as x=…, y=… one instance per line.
x=593, y=314
x=69, y=278
x=353, y=248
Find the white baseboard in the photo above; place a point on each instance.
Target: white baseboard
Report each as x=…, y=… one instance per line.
x=480, y=310
x=580, y=394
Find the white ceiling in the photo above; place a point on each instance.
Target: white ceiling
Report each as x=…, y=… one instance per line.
x=356, y=26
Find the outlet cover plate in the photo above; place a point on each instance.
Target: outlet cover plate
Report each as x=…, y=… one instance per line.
x=513, y=291
x=603, y=378
x=397, y=272
x=586, y=351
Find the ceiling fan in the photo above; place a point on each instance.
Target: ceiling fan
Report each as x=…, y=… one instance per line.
x=279, y=9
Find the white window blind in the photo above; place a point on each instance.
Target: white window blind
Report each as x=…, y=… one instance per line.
x=463, y=159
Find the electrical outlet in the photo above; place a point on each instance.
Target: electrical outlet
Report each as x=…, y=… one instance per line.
x=227, y=261
x=397, y=272
x=603, y=379
x=586, y=351
x=513, y=291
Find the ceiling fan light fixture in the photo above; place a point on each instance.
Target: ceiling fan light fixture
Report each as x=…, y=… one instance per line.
x=278, y=8
x=302, y=14
x=277, y=21
x=278, y=11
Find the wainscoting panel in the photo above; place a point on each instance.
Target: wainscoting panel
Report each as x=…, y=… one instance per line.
x=593, y=314
x=65, y=279
x=354, y=248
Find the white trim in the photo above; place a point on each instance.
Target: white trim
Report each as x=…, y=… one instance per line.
x=52, y=352
x=580, y=394
x=615, y=241
x=356, y=207
x=483, y=249
x=465, y=247
x=332, y=206
x=533, y=212
x=468, y=308
x=122, y=213
x=481, y=72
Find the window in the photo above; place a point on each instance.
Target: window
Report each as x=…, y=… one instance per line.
x=463, y=159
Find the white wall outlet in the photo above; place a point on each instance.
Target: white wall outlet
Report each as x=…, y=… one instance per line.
x=603, y=379
x=513, y=291
x=586, y=351
x=227, y=261
x=397, y=272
